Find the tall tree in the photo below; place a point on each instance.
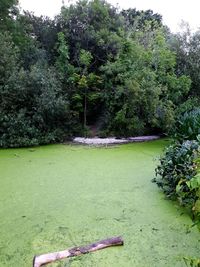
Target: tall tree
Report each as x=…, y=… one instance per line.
x=8, y=9
x=93, y=26
x=187, y=48
x=137, y=19
x=143, y=87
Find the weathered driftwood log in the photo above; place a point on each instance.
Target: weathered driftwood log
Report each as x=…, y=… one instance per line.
x=76, y=251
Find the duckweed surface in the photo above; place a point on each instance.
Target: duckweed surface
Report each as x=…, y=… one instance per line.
x=59, y=196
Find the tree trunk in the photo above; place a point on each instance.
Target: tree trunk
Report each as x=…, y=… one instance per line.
x=76, y=251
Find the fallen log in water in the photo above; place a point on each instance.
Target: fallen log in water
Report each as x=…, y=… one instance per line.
x=76, y=251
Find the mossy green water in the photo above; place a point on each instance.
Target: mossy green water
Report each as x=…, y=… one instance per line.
x=59, y=196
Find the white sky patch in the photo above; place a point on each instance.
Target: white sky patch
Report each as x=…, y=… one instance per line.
x=173, y=11
x=49, y=8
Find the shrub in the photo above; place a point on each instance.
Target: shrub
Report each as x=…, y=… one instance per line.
x=188, y=125
x=192, y=195
x=123, y=125
x=179, y=175
x=190, y=104
x=178, y=166
x=192, y=262
x=33, y=110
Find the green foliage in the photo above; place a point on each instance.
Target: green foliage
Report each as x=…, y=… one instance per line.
x=85, y=58
x=191, y=262
x=40, y=32
x=187, y=49
x=142, y=89
x=8, y=9
x=93, y=27
x=87, y=94
x=63, y=53
x=127, y=126
x=8, y=57
x=193, y=195
x=188, y=105
x=178, y=175
x=113, y=69
x=33, y=110
x=6, y=5
x=178, y=166
x=188, y=125
x=139, y=19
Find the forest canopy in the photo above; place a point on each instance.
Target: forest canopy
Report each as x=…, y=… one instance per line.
x=120, y=71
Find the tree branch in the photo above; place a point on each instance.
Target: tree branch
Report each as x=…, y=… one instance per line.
x=76, y=251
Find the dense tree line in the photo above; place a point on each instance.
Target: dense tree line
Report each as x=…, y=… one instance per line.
x=92, y=65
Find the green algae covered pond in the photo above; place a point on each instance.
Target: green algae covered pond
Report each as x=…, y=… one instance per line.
x=60, y=196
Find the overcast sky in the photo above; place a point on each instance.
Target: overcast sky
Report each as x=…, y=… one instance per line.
x=173, y=11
